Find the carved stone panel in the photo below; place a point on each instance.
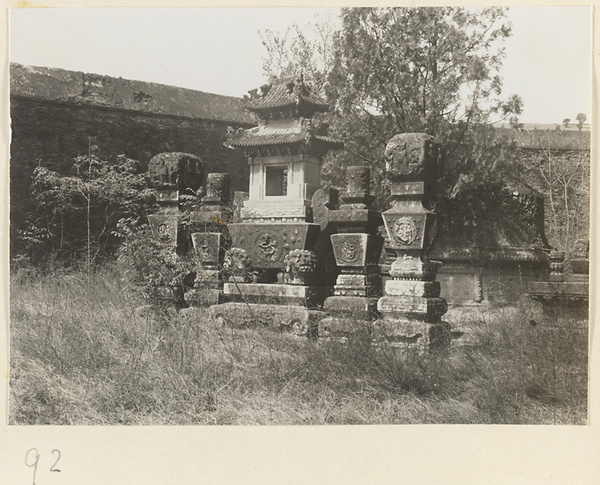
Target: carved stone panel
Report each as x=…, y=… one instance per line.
x=268, y=244
x=349, y=249
x=207, y=246
x=356, y=249
x=323, y=201
x=406, y=231
x=164, y=228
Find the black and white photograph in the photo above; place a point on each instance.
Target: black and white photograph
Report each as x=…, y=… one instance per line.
x=299, y=216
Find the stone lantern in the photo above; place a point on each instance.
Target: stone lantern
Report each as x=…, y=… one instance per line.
x=284, y=151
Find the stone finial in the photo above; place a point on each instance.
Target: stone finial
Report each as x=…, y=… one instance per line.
x=217, y=187
x=179, y=171
x=409, y=156
x=358, y=181
x=557, y=265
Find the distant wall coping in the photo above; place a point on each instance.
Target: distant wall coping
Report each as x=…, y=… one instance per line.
x=62, y=86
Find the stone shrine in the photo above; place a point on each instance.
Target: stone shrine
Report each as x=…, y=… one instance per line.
x=411, y=307
x=272, y=259
x=284, y=151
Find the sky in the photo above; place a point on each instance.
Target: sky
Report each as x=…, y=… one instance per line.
x=548, y=57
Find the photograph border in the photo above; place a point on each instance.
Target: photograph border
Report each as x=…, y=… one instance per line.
x=422, y=454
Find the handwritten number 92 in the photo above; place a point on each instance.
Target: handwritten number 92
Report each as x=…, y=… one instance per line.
x=32, y=458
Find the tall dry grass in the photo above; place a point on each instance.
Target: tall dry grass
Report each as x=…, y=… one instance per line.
x=81, y=354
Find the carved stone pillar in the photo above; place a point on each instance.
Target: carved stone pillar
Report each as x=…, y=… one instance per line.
x=172, y=172
x=356, y=247
x=216, y=204
x=164, y=222
x=208, y=285
x=411, y=306
x=210, y=246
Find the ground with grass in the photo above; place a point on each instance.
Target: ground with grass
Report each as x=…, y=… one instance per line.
x=81, y=354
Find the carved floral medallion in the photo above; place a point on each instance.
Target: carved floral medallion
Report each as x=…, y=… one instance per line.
x=164, y=228
x=405, y=230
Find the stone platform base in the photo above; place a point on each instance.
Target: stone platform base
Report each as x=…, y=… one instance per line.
x=409, y=334
x=349, y=315
x=276, y=294
x=341, y=327
x=407, y=307
x=294, y=319
x=204, y=297
x=357, y=307
x=562, y=300
x=412, y=333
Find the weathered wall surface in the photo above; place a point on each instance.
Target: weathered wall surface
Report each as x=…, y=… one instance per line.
x=57, y=114
x=53, y=133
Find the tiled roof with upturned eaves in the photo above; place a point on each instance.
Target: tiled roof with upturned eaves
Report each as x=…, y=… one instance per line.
x=284, y=93
x=261, y=136
x=257, y=137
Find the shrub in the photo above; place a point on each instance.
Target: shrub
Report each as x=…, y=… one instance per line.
x=73, y=216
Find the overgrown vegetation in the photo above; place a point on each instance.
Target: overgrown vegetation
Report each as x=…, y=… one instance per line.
x=72, y=216
x=82, y=354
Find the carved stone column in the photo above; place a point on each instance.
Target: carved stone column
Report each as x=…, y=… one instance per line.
x=557, y=266
x=172, y=172
x=210, y=246
x=216, y=204
x=356, y=247
x=208, y=286
x=411, y=306
x=164, y=222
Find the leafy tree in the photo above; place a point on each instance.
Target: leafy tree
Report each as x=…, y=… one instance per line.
x=295, y=50
x=394, y=70
x=581, y=117
x=424, y=69
x=567, y=122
